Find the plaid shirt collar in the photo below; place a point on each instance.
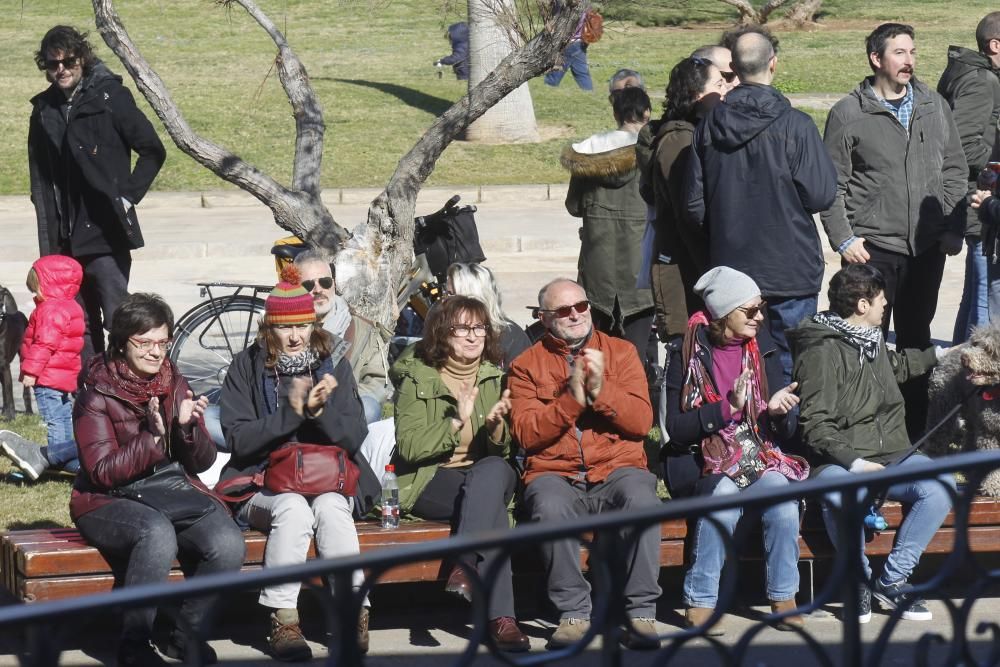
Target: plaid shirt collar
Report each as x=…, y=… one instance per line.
x=905, y=111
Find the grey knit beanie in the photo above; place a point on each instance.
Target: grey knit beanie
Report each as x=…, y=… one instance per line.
x=724, y=290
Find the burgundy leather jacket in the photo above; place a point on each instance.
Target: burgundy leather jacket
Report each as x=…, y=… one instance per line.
x=116, y=445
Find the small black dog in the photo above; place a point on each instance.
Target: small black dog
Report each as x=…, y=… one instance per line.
x=12, y=326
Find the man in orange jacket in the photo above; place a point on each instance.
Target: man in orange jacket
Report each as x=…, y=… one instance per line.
x=580, y=409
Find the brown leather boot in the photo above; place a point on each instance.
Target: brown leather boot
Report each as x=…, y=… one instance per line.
x=459, y=584
x=507, y=636
x=697, y=616
x=789, y=622
x=286, y=642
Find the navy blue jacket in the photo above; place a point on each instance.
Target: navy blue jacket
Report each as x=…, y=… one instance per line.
x=758, y=172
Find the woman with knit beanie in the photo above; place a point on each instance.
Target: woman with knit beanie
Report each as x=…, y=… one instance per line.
x=726, y=424
x=452, y=440
x=295, y=384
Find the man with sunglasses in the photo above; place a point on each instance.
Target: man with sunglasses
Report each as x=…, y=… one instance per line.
x=367, y=351
x=722, y=58
x=83, y=130
x=580, y=408
x=757, y=173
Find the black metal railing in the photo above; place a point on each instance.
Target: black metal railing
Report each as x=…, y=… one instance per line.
x=613, y=533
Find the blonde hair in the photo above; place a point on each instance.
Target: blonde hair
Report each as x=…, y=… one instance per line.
x=477, y=281
x=32, y=282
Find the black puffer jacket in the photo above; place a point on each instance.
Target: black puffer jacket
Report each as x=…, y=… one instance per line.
x=255, y=423
x=92, y=152
x=757, y=174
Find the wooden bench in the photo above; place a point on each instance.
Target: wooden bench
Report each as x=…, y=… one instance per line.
x=55, y=563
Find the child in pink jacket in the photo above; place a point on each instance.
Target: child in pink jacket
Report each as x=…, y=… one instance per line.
x=50, y=363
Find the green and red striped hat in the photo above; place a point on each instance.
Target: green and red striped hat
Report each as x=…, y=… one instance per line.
x=289, y=302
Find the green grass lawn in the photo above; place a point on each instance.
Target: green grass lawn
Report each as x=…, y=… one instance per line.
x=41, y=504
x=370, y=63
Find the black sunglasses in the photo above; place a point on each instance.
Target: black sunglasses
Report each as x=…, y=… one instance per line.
x=53, y=63
x=751, y=311
x=728, y=76
x=564, y=311
x=325, y=283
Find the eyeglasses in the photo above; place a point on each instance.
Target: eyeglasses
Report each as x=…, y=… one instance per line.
x=144, y=345
x=751, y=311
x=728, y=76
x=463, y=330
x=325, y=283
x=564, y=311
x=52, y=64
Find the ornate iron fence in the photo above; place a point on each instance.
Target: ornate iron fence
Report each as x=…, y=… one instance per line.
x=613, y=533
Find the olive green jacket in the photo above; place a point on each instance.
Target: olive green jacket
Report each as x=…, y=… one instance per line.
x=424, y=436
x=604, y=191
x=851, y=407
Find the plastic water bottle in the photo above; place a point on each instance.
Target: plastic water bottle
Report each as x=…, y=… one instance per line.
x=390, y=498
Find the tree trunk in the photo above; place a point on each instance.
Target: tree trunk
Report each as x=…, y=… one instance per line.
x=804, y=11
x=512, y=120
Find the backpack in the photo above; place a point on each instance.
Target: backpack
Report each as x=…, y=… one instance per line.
x=593, y=27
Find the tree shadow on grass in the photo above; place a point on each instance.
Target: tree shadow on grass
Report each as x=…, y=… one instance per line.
x=409, y=96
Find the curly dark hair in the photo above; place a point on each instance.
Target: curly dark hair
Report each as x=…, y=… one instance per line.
x=687, y=80
x=71, y=42
x=851, y=284
x=433, y=349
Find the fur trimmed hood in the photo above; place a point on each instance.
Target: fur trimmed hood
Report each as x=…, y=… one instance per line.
x=613, y=163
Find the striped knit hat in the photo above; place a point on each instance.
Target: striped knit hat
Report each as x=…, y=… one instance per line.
x=289, y=302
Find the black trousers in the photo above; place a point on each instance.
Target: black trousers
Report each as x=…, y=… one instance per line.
x=634, y=328
x=105, y=286
x=141, y=544
x=911, y=288
x=474, y=499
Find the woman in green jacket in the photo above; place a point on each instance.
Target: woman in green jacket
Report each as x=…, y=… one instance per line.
x=452, y=441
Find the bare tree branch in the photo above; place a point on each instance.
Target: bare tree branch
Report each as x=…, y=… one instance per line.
x=299, y=211
x=768, y=8
x=747, y=11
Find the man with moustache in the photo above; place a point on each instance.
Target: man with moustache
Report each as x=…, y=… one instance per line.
x=580, y=409
x=368, y=348
x=83, y=131
x=901, y=172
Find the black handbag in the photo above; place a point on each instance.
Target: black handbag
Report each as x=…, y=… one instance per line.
x=169, y=491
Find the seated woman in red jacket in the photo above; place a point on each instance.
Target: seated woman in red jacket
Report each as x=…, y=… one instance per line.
x=135, y=414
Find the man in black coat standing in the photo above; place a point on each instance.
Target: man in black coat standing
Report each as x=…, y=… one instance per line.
x=84, y=128
x=758, y=172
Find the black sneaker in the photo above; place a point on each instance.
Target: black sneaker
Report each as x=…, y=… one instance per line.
x=897, y=595
x=178, y=647
x=864, y=604
x=25, y=454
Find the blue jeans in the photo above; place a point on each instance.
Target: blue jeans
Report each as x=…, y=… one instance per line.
x=785, y=313
x=56, y=408
x=574, y=60
x=373, y=409
x=781, y=544
x=929, y=503
x=974, y=308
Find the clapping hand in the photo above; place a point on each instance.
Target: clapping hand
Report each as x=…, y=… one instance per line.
x=319, y=394
x=298, y=390
x=192, y=410
x=783, y=400
x=154, y=419
x=466, y=404
x=577, y=378
x=741, y=391
x=499, y=410
x=594, y=372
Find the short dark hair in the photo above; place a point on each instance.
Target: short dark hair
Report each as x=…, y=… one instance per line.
x=136, y=314
x=71, y=42
x=988, y=28
x=730, y=36
x=880, y=36
x=687, y=80
x=433, y=349
x=630, y=105
x=851, y=284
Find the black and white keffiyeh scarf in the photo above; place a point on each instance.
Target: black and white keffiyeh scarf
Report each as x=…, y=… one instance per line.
x=297, y=364
x=868, y=340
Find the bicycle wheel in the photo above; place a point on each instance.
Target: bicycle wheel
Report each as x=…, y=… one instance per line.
x=208, y=336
